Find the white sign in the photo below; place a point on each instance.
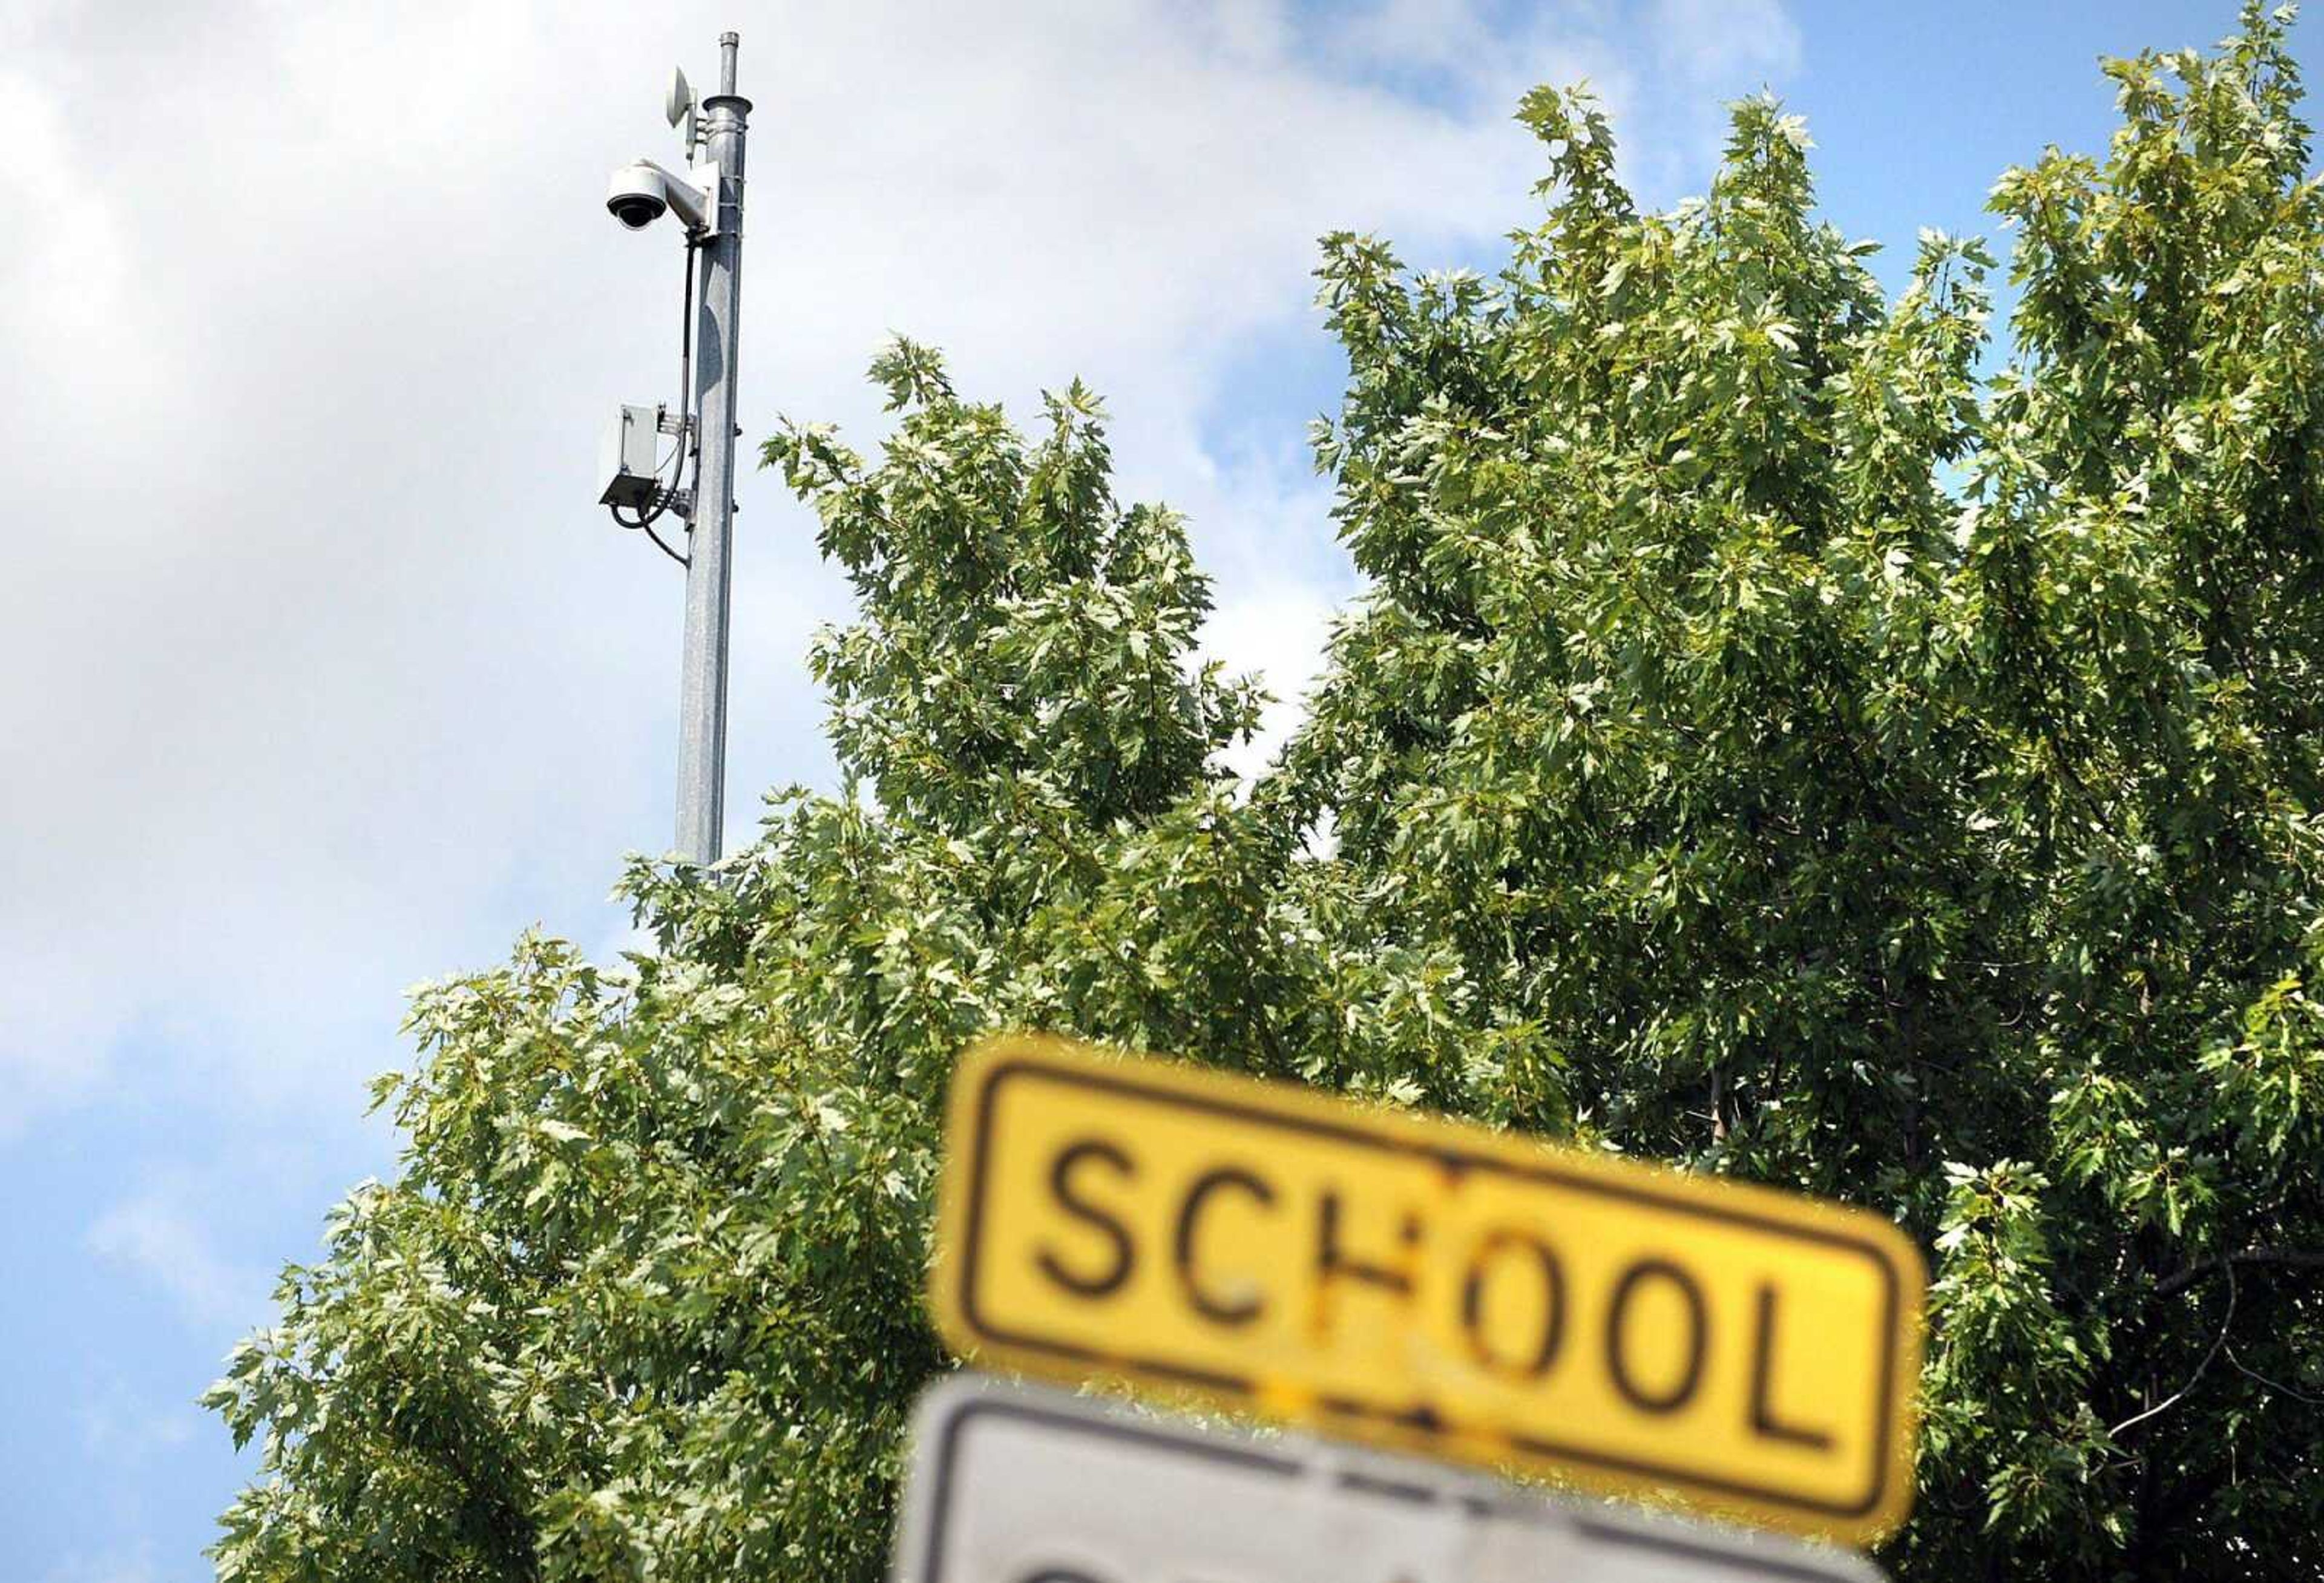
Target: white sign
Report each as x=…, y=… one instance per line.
x=1016, y=1484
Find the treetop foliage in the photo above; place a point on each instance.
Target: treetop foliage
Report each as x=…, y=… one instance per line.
x=1764, y=743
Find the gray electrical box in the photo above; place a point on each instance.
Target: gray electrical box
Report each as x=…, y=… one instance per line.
x=625, y=476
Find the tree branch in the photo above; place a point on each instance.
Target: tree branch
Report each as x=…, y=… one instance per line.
x=2296, y=1259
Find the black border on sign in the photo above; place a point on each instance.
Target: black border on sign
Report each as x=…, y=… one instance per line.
x=1422, y=1419
x=957, y=1419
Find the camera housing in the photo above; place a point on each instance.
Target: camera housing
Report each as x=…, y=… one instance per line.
x=641, y=192
x=636, y=198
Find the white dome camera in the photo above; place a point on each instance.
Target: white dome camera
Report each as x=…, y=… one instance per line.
x=643, y=192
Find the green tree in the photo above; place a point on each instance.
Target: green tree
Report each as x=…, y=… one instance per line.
x=1761, y=745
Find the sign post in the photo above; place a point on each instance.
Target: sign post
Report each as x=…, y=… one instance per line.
x=1430, y=1286
x=1011, y=1484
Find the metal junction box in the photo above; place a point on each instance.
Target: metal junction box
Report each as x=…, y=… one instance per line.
x=625, y=474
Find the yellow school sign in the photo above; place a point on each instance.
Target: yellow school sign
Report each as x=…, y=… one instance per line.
x=1430, y=1286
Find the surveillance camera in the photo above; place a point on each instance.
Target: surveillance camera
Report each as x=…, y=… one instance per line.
x=643, y=192
x=637, y=198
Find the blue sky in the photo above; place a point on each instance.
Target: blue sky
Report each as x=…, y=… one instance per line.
x=325, y=678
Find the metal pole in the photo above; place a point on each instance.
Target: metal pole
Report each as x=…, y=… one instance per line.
x=701, y=681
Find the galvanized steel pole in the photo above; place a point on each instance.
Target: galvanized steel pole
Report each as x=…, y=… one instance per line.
x=702, y=686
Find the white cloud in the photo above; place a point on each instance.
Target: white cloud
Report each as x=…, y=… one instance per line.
x=118, y=1428
x=167, y=1238
x=1715, y=41
x=1710, y=53
x=1278, y=633
x=321, y=674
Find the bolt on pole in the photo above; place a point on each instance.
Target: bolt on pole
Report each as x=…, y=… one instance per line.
x=702, y=683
